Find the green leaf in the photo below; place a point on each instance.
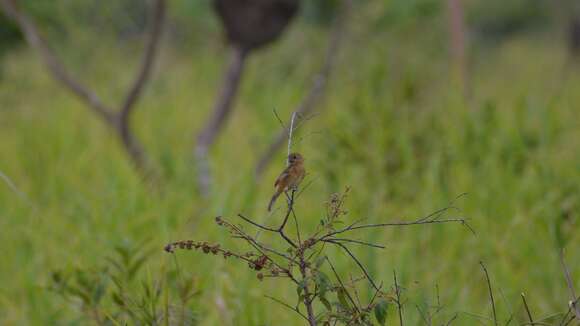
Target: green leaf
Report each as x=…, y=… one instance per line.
x=319, y=261
x=300, y=287
x=341, y=294
x=118, y=299
x=99, y=291
x=326, y=303
x=322, y=283
x=381, y=311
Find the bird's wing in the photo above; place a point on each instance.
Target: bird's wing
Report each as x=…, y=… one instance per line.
x=282, y=176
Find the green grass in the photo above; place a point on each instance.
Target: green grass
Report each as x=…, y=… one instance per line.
x=392, y=126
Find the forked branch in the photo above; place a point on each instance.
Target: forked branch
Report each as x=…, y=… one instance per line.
x=118, y=120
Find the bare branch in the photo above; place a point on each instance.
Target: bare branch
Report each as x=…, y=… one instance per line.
x=257, y=224
x=117, y=120
x=364, y=243
x=56, y=68
x=421, y=221
x=318, y=85
x=136, y=89
x=287, y=306
x=360, y=265
x=342, y=285
x=280, y=229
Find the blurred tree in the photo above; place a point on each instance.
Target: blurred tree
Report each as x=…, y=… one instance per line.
x=118, y=119
x=249, y=25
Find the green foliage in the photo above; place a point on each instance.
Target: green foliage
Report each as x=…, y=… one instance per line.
x=381, y=311
x=392, y=126
x=117, y=294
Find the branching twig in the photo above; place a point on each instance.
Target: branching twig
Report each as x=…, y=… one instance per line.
x=360, y=265
x=287, y=306
x=416, y=222
x=355, y=241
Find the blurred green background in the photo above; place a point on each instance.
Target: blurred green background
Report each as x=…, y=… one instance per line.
x=394, y=125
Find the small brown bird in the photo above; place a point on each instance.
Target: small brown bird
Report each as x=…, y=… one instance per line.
x=290, y=177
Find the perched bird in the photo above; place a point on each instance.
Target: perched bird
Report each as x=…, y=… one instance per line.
x=290, y=177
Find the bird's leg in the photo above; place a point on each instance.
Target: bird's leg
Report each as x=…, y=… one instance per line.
x=287, y=196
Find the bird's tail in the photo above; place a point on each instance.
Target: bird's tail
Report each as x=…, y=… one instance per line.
x=273, y=200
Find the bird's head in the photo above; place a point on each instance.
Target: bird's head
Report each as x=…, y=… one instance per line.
x=295, y=158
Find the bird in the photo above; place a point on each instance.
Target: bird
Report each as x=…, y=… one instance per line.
x=290, y=178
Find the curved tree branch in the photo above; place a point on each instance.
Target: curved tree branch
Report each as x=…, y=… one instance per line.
x=131, y=144
x=56, y=68
x=117, y=120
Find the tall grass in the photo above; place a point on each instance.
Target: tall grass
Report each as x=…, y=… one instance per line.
x=392, y=126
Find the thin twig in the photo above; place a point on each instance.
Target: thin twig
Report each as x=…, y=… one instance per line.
x=451, y=320
x=490, y=292
x=342, y=285
x=565, y=316
x=279, y=119
x=287, y=306
x=318, y=85
x=527, y=309
x=290, y=137
x=421, y=221
x=357, y=242
x=360, y=265
x=398, y=294
x=573, y=298
x=280, y=229
x=13, y=187
x=257, y=224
